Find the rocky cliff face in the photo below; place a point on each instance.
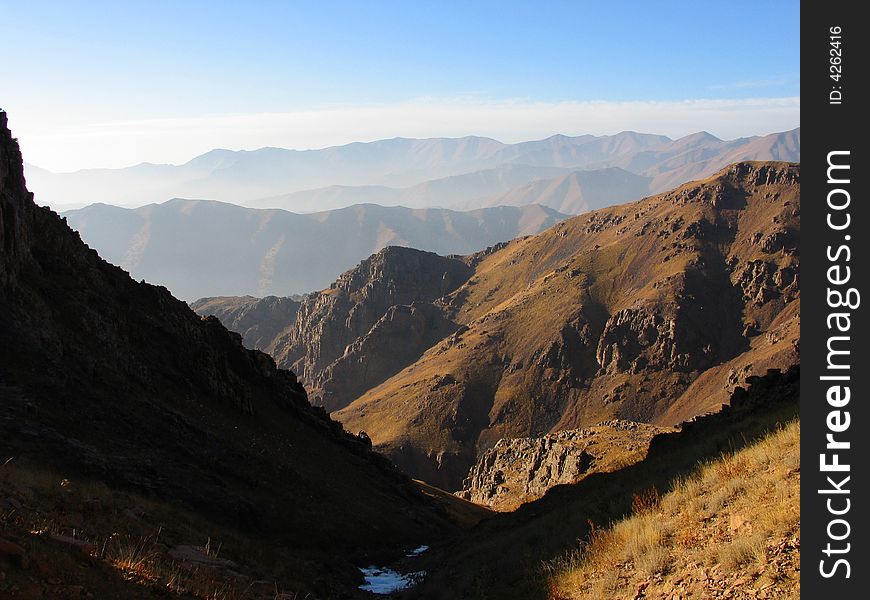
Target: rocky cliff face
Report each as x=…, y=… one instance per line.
x=329, y=322
x=374, y=320
x=516, y=471
x=396, y=339
x=109, y=380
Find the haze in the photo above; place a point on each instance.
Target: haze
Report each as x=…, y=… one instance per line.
x=108, y=85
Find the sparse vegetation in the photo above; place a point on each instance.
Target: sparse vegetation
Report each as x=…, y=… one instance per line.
x=735, y=524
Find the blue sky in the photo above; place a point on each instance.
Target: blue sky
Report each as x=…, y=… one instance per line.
x=79, y=68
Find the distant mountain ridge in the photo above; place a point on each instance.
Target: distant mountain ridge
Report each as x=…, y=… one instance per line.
x=457, y=192
x=200, y=248
x=245, y=177
x=575, y=192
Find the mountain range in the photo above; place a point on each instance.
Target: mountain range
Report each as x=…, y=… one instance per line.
x=418, y=173
x=602, y=316
x=202, y=248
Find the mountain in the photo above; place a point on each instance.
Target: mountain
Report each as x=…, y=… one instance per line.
x=701, y=154
x=484, y=167
x=154, y=418
x=200, y=248
x=456, y=191
x=576, y=192
x=605, y=315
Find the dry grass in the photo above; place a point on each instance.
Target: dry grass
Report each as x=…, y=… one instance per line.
x=733, y=523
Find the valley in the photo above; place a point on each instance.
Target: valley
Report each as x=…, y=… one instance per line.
x=557, y=382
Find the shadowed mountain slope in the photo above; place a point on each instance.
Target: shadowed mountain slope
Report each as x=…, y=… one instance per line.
x=108, y=380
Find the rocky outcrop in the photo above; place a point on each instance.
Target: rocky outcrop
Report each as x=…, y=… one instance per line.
x=330, y=321
x=637, y=338
x=516, y=471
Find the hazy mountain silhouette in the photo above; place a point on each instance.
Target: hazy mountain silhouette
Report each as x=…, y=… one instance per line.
x=202, y=248
x=244, y=176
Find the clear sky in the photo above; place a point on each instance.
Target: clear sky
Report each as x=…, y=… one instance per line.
x=90, y=84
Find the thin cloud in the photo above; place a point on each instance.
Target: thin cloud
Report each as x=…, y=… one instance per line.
x=122, y=143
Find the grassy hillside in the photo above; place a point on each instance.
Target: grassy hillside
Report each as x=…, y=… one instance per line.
x=518, y=554
x=731, y=528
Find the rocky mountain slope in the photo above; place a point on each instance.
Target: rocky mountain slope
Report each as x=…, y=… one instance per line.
x=116, y=385
x=446, y=170
x=521, y=470
x=606, y=315
x=369, y=324
x=201, y=248
x=729, y=478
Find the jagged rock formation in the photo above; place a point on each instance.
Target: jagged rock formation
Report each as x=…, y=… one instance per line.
x=374, y=320
x=106, y=379
x=516, y=471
